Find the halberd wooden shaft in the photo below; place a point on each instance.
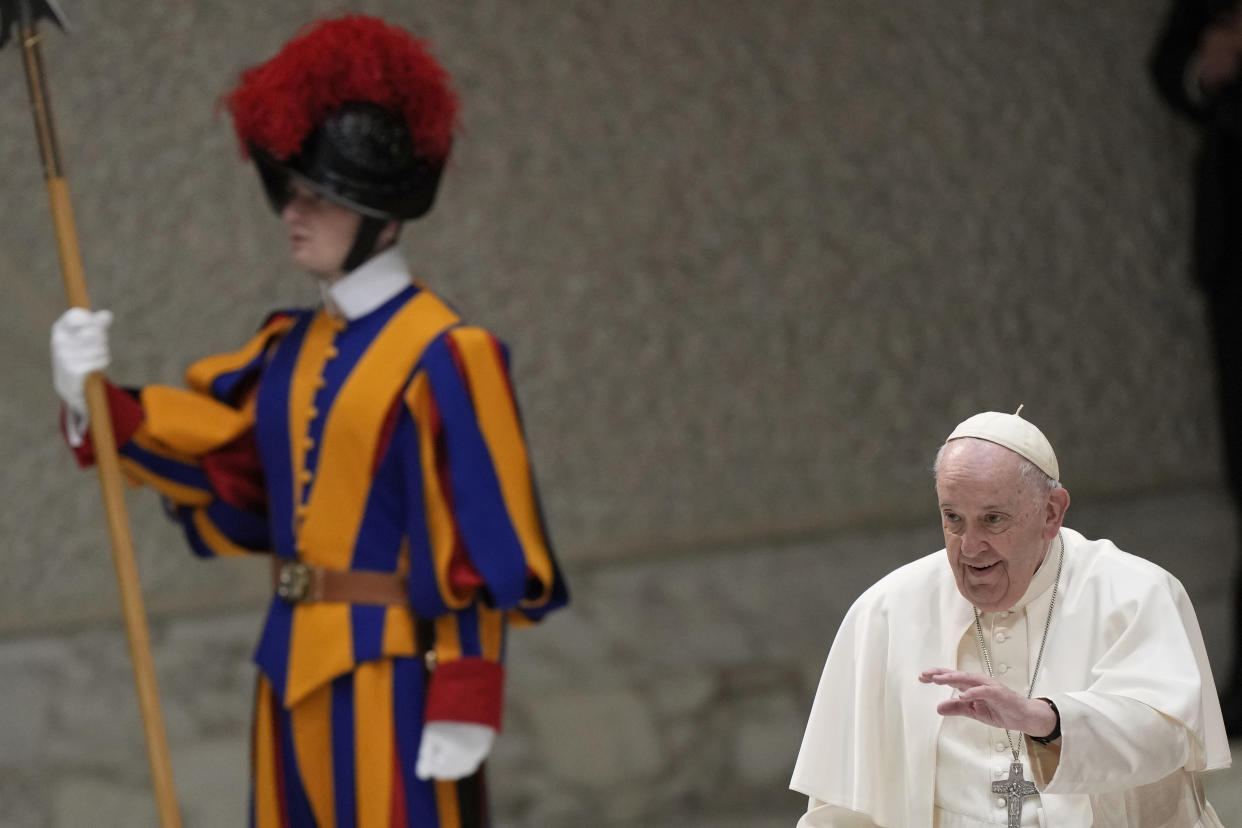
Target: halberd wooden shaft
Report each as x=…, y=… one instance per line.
x=106, y=459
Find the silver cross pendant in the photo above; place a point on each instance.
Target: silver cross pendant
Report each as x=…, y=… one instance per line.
x=1014, y=789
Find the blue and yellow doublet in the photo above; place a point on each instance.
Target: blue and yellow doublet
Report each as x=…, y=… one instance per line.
x=389, y=443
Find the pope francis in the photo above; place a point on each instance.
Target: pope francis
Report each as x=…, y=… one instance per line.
x=1022, y=676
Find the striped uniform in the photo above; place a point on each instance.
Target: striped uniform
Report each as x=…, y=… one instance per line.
x=388, y=443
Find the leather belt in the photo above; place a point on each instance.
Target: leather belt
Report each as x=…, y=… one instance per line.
x=299, y=583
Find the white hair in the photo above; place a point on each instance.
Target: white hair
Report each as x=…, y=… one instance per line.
x=1040, y=483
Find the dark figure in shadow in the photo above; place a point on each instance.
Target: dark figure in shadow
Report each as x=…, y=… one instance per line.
x=1197, y=67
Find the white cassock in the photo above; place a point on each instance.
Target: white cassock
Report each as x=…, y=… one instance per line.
x=1124, y=663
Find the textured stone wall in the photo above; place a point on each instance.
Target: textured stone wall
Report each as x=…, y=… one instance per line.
x=754, y=260
x=672, y=694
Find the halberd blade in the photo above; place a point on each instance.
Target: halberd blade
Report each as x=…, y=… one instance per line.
x=14, y=11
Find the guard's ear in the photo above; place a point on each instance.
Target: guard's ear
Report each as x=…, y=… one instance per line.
x=1054, y=511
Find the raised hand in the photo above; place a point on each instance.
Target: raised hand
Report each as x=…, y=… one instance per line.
x=987, y=700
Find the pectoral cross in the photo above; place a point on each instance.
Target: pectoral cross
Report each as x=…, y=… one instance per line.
x=1014, y=789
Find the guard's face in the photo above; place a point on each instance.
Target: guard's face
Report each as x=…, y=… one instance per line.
x=320, y=232
x=996, y=526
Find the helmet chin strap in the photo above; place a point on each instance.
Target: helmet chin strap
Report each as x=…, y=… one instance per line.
x=364, y=243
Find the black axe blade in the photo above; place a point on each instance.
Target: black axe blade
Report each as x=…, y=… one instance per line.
x=16, y=11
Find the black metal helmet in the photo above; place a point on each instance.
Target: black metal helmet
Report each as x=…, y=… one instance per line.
x=357, y=109
x=359, y=156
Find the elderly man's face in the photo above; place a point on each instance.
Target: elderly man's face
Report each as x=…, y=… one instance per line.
x=996, y=525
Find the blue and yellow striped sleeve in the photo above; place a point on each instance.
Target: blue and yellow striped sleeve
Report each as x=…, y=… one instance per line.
x=195, y=447
x=488, y=561
x=482, y=520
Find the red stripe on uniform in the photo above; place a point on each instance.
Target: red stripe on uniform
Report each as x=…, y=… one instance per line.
x=504, y=367
x=386, y=431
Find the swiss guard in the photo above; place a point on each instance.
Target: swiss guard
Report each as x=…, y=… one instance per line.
x=371, y=446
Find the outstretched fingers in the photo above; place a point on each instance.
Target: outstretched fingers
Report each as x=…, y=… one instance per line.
x=957, y=679
x=959, y=706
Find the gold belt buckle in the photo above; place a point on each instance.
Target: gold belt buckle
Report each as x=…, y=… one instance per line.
x=293, y=582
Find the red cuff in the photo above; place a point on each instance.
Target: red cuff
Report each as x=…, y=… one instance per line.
x=126, y=413
x=466, y=690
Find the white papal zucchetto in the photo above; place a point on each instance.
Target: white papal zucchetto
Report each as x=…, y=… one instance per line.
x=1014, y=433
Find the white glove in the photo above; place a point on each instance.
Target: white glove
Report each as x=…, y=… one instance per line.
x=79, y=347
x=452, y=750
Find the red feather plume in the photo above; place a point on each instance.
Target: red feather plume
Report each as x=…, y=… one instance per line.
x=356, y=58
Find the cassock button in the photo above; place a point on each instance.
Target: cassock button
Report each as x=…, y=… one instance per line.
x=1001, y=803
x=1003, y=668
x=998, y=773
x=1000, y=636
x=1005, y=614
x=1000, y=747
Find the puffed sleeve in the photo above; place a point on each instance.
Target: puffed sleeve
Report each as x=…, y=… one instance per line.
x=482, y=522
x=480, y=556
x=195, y=446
